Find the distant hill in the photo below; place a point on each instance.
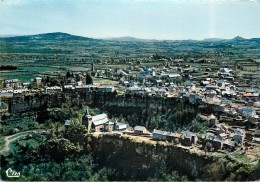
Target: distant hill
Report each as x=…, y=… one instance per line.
x=129, y=38
x=212, y=39
x=90, y=48
x=238, y=38
x=10, y=35
x=53, y=43
x=47, y=36
x=55, y=36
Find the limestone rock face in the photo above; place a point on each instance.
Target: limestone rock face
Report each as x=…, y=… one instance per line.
x=140, y=158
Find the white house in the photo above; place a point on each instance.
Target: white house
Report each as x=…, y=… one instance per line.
x=53, y=89
x=38, y=80
x=12, y=83
x=6, y=93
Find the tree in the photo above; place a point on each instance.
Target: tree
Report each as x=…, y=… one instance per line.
x=208, y=147
x=68, y=75
x=59, y=148
x=54, y=82
x=89, y=80
x=76, y=130
x=29, y=86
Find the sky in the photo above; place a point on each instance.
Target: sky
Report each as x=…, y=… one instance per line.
x=149, y=19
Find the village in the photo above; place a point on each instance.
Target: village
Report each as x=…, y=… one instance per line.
x=221, y=89
x=130, y=90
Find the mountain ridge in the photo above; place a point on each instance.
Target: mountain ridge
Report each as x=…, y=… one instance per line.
x=46, y=36
x=62, y=35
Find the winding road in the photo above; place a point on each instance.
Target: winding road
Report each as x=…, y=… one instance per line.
x=11, y=138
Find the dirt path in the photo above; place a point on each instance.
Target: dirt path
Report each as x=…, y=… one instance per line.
x=11, y=138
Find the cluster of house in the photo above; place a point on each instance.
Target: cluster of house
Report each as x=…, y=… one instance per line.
x=221, y=104
x=12, y=83
x=101, y=123
x=87, y=88
x=217, y=137
x=221, y=137
x=200, y=89
x=11, y=92
x=16, y=83
x=185, y=138
x=138, y=90
x=15, y=87
x=218, y=93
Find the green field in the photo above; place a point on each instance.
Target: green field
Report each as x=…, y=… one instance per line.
x=23, y=76
x=40, y=69
x=26, y=73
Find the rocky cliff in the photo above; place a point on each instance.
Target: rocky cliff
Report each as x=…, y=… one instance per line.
x=137, y=158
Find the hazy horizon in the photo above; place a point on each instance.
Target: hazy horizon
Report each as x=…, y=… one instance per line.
x=108, y=38
x=144, y=19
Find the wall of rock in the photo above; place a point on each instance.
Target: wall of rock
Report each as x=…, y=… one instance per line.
x=140, y=160
x=101, y=100
x=137, y=160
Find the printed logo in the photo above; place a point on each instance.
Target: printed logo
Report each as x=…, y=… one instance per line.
x=12, y=173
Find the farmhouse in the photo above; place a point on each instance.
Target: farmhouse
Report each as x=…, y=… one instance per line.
x=160, y=135
x=109, y=126
x=175, y=137
x=140, y=129
x=120, y=126
x=188, y=138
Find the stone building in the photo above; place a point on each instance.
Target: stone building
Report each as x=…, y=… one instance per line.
x=96, y=123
